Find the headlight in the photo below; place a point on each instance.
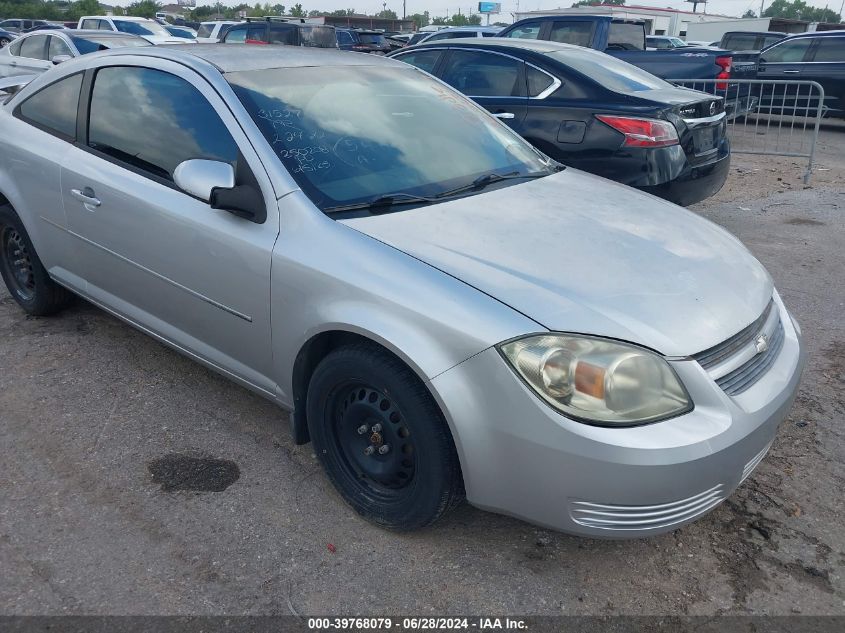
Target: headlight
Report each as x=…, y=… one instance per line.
x=598, y=381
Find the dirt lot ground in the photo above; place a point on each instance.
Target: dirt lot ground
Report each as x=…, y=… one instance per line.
x=89, y=406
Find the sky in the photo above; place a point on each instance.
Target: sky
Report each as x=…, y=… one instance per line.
x=448, y=7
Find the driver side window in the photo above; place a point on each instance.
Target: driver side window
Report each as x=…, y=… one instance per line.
x=788, y=52
x=179, y=123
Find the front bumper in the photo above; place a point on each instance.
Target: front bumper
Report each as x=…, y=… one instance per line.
x=519, y=457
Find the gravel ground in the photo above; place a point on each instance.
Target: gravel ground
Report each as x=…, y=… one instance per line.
x=95, y=517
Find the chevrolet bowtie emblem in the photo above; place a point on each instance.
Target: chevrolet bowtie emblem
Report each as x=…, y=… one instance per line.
x=761, y=344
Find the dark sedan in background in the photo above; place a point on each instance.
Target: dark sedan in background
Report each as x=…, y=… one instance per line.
x=361, y=41
x=591, y=111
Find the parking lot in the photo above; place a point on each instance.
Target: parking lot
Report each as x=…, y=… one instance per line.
x=87, y=406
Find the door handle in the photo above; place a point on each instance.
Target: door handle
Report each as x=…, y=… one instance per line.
x=791, y=72
x=505, y=115
x=86, y=196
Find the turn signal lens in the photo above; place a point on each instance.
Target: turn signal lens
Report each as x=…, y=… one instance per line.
x=642, y=132
x=598, y=381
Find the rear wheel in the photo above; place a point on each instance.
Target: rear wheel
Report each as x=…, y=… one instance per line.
x=382, y=439
x=4, y=41
x=22, y=270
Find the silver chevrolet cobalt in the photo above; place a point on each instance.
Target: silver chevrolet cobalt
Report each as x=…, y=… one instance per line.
x=447, y=312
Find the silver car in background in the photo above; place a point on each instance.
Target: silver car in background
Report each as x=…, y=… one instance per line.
x=33, y=53
x=446, y=311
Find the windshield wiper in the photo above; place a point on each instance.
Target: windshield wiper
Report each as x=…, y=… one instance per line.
x=488, y=179
x=393, y=199
x=386, y=200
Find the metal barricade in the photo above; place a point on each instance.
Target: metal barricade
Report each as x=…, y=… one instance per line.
x=770, y=117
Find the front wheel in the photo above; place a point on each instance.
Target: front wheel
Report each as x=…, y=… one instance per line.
x=22, y=270
x=382, y=439
x=4, y=41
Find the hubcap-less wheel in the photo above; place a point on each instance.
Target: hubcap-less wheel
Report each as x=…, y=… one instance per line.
x=19, y=263
x=373, y=440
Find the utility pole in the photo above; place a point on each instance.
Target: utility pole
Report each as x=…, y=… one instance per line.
x=762, y=2
x=404, y=9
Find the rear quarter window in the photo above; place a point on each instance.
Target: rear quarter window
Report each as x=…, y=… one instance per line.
x=53, y=109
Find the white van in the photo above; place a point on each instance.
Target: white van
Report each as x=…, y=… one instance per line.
x=150, y=30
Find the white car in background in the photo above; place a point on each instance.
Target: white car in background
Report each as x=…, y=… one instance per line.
x=210, y=32
x=460, y=32
x=150, y=30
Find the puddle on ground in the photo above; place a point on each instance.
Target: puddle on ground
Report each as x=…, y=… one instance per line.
x=178, y=471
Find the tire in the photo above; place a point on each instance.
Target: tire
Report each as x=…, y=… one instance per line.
x=413, y=482
x=4, y=42
x=22, y=271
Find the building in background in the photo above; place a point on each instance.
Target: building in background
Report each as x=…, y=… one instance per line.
x=658, y=21
x=365, y=22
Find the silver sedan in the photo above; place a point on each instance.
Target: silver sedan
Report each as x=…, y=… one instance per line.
x=447, y=312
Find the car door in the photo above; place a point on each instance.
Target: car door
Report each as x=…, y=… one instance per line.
x=496, y=81
x=30, y=55
x=784, y=61
x=826, y=65
x=195, y=276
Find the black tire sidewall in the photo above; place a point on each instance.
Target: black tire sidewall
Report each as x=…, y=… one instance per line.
x=42, y=301
x=429, y=493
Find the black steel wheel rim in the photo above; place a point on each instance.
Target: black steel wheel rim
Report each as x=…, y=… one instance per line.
x=18, y=263
x=372, y=440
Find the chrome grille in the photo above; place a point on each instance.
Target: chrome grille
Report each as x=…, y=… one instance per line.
x=737, y=363
x=618, y=517
x=716, y=354
x=744, y=376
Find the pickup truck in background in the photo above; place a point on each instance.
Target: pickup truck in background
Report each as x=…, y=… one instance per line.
x=625, y=40
x=745, y=47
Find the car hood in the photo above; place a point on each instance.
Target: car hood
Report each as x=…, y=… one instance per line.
x=578, y=253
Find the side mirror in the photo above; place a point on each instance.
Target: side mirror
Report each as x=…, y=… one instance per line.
x=200, y=178
x=58, y=59
x=214, y=182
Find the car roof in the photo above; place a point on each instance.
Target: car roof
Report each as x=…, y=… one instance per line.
x=127, y=18
x=838, y=32
x=754, y=33
x=229, y=58
x=535, y=46
x=98, y=33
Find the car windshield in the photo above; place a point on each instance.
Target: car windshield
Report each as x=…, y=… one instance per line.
x=144, y=27
x=94, y=43
x=350, y=134
x=607, y=71
x=372, y=38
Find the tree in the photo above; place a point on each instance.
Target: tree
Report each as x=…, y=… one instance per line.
x=387, y=14
x=800, y=10
x=297, y=11
x=143, y=8
x=749, y=14
x=421, y=19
